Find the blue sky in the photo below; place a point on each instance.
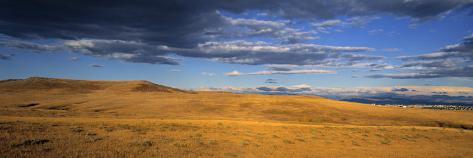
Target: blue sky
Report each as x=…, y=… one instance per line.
x=382, y=38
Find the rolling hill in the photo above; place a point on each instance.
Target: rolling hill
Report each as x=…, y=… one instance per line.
x=144, y=99
x=242, y=124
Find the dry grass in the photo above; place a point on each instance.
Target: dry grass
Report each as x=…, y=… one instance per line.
x=206, y=138
x=127, y=119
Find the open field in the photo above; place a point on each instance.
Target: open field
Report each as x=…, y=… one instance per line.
x=41, y=117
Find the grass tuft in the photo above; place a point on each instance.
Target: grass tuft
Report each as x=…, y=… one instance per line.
x=31, y=142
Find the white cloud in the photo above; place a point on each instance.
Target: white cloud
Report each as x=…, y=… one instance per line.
x=260, y=46
x=74, y=59
x=302, y=86
x=328, y=23
x=253, y=22
x=324, y=26
x=233, y=73
x=375, y=31
x=279, y=30
x=131, y=51
x=304, y=71
x=271, y=72
x=10, y=42
x=237, y=52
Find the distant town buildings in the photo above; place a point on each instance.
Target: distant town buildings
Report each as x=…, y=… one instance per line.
x=434, y=107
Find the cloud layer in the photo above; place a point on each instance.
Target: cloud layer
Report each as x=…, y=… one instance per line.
x=285, y=72
x=160, y=32
x=149, y=31
x=454, y=60
x=236, y=52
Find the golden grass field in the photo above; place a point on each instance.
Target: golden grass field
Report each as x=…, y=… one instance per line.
x=44, y=117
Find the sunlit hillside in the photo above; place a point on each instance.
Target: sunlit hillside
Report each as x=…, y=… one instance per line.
x=45, y=117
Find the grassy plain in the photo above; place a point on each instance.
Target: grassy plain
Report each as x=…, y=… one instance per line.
x=43, y=117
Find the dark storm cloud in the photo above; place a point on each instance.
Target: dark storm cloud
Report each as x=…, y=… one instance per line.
x=173, y=23
x=145, y=31
x=179, y=23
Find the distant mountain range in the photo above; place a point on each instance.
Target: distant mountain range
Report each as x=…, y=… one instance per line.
x=408, y=95
x=393, y=98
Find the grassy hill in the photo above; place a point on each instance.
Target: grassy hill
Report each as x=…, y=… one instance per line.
x=116, y=118
x=68, y=86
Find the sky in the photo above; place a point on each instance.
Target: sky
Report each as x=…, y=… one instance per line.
x=261, y=45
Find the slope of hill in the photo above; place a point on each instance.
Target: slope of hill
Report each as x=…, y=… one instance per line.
x=67, y=86
x=181, y=123
x=148, y=100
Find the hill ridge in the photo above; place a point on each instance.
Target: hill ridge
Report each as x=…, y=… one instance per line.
x=148, y=100
x=80, y=86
